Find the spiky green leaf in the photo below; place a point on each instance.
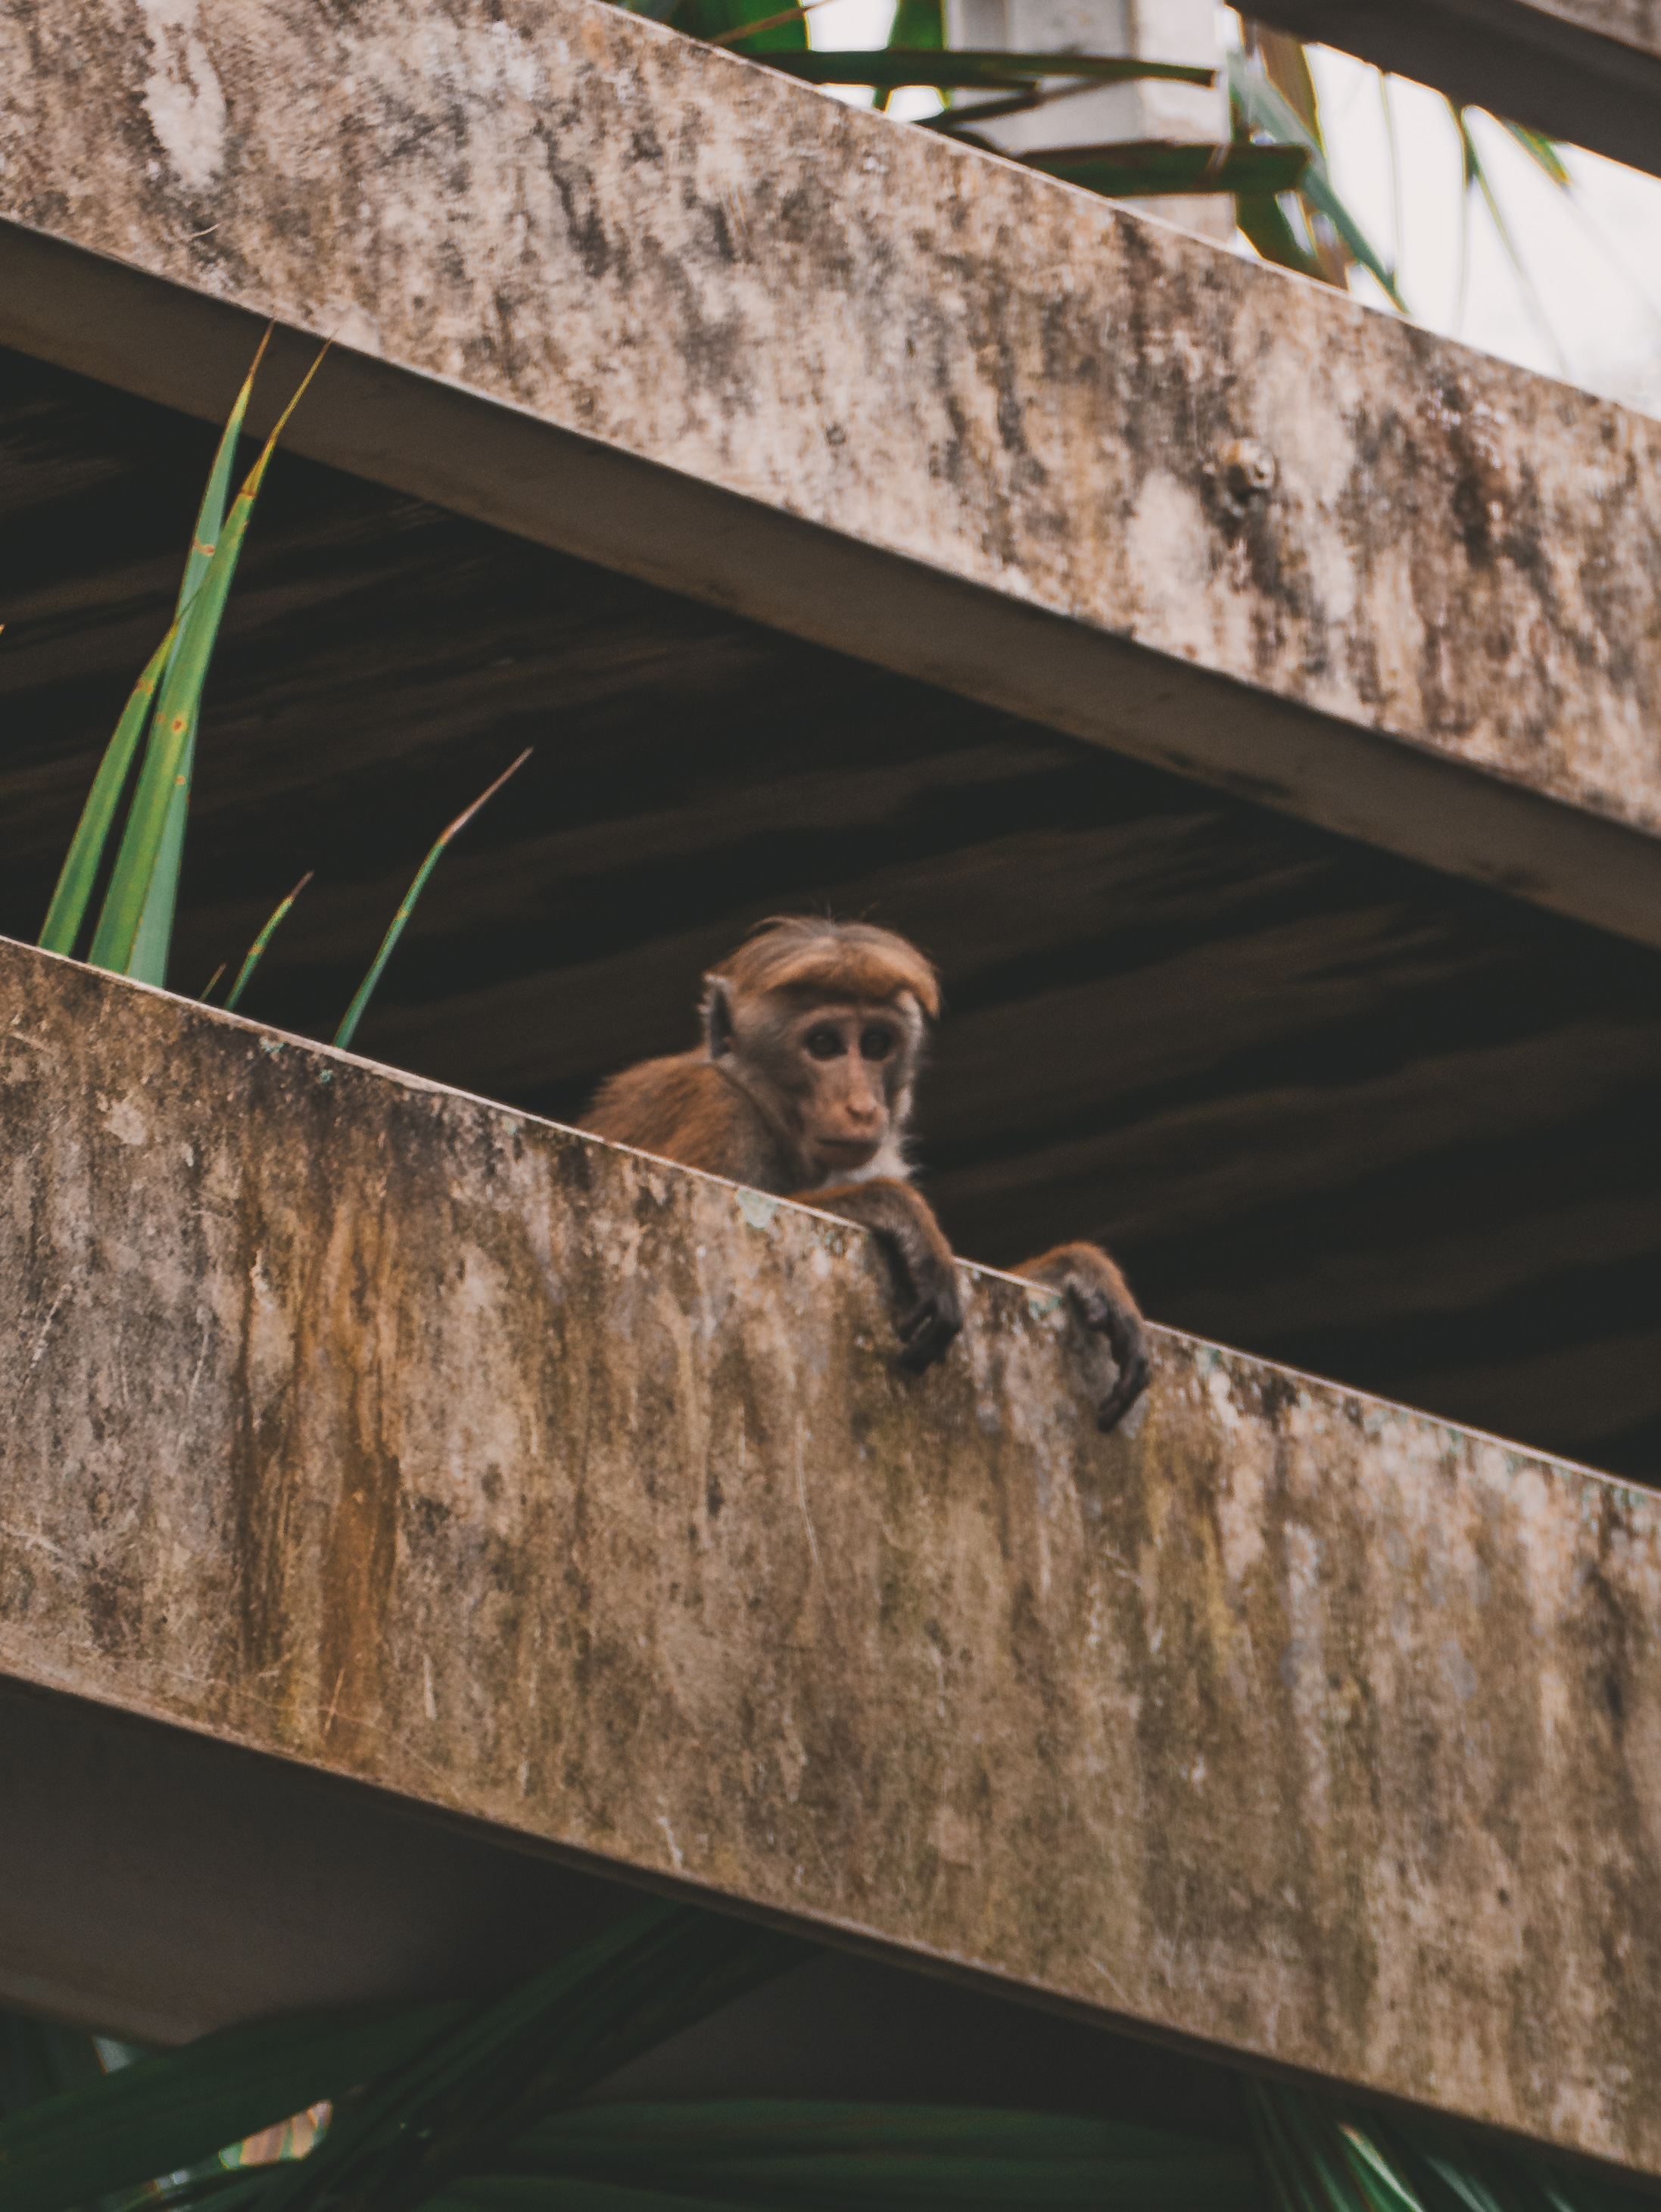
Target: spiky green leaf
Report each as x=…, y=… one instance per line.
x=151, y=947
x=1267, y=224
x=68, y=909
x=354, y=1013
x=965, y=68
x=256, y=950
x=165, y=771
x=1148, y=169
x=1543, y=151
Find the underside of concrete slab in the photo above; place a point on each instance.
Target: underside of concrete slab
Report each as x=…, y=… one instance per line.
x=1586, y=71
x=361, y=1426
x=638, y=298
x=161, y=1883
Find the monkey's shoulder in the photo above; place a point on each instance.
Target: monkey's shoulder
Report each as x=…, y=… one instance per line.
x=681, y=1110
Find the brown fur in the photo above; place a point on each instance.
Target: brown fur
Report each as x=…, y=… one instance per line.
x=832, y=960
x=754, y=1103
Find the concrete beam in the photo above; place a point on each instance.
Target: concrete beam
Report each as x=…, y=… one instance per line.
x=639, y=299
x=1586, y=71
x=362, y=1425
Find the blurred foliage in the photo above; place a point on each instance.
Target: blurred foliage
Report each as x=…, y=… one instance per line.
x=485, y=2106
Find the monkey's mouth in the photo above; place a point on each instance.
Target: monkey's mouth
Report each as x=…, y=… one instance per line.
x=848, y=1151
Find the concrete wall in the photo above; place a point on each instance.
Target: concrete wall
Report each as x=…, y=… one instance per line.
x=652, y=302
x=369, y=1427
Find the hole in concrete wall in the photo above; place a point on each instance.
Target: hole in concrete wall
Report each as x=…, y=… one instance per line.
x=1326, y=1105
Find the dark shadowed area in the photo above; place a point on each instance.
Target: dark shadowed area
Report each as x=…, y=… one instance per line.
x=1325, y=1105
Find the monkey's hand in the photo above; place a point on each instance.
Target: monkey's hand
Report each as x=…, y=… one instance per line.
x=925, y=1273
x=1100, y=1296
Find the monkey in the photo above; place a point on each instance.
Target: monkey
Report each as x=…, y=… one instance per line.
x=814, y=1034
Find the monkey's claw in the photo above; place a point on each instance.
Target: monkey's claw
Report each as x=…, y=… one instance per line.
x=926, y=1332
x=1105, y=1316
x=1121, y=1397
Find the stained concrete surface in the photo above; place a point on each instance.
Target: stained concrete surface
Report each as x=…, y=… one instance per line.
x=161, y=1883
x=1345, y=1112
x=366, y=1425
x=659, y=305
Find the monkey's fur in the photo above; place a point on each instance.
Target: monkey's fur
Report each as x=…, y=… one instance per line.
x=813, y=1035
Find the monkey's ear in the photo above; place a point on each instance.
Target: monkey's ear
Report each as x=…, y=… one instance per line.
x=717, y=1016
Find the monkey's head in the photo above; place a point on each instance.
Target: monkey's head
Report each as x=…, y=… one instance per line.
x=822, y=1023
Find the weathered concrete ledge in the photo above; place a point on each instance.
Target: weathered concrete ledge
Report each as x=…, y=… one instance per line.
x=651, y=303
x=1586, y=71
x=367, y=1425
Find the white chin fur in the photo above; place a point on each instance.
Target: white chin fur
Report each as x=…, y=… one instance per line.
x=886, y=1163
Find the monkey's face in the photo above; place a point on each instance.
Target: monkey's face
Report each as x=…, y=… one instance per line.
x=848, y=1068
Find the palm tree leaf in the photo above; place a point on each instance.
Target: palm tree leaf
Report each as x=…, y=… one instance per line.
x=964, y=68
x=446, y=2115
x=165, y=770
x=1541, y=150
x=149, y=963
x=1286, y=65
x=1266, y=223
x=1146, y=169
x=1475, y=173
x=354, y=1013
x=918, y=23
x=39, y=2059
x=165, y=2112
x=257, y=950
x=812, y=2157
x=529, y=2192
x=766, y=2126
x=1265, y=109
x=68, y=909
x=709, y=19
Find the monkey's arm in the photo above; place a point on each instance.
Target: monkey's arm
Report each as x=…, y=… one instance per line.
x=1100, y=1296
x=915, y=1246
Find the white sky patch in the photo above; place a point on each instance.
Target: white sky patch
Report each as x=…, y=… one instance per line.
x=841, y=24
x=1594, y=261
x=1594, y=258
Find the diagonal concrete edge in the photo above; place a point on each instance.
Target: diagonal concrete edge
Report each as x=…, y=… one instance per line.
x=1586, y=71
x=613, y=289
x=370, y=1427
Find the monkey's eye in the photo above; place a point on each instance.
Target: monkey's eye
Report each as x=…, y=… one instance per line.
x=876, y=1044
x=825, y=1044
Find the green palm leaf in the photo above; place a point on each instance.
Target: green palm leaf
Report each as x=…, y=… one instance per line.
x=149, y=953
x=1146, y=168
x=1267, y=224
x=166, y=770
x=80, y=872
x=968, y=70
x=1543, y=151
x=1265, y=109
x=472, y=2107
x=257, y=950
x=165, y=2112
x=540, y=2045
x=354, y=1013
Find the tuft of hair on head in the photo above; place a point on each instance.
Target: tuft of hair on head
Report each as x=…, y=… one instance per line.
x=802, y=953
